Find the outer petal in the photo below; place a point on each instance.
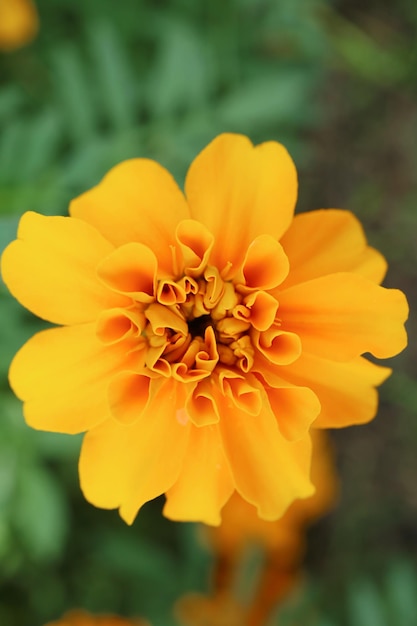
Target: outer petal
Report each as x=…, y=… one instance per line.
x=127, y=465
x=138, y=200
x=329, y=241
x=346, y=390
x=51, y=269
x=62, y=375
x=268, y=471
x=205, y=482
x=342, y=316
x=239, y=192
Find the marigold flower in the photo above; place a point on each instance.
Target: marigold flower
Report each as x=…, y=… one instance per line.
x=201, y=335
x=18, y=23
x=82, y=618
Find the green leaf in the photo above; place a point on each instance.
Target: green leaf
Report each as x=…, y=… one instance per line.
x=401, y=587
x=366, y=606
x=76, y=92
x=275, y=98
x=374, y=62
x=43, y=135
x=115, y=76
x=181, y=76
x=41, y=514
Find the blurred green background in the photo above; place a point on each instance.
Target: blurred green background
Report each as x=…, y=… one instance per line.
x=335, y=81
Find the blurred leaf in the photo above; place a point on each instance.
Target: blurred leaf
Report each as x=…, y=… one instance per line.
x=41, y=513
x=365, y=605
x=401, y=593
x=76, y=91
x=402, y=390
x=8, y=230
x=41, y=144
x=11, y=100
x=278, y=97
x=374, y=62
x=116, y=79
x=12, y=142
x=134, y=556
x=181, y=76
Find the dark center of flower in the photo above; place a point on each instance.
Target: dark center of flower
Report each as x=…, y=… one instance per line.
x=197, y=326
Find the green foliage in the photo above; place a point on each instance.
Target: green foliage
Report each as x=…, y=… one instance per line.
x=391, y=602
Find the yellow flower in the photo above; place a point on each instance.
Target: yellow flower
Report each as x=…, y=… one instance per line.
x=201, y=334
x=18, y=23
x=81, y=618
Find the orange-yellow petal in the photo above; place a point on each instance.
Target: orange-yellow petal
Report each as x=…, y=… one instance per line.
x=51, y=269
x=341, y=316
x=127, y=465
x=201, y=405
x=295, y=408
x=268, y=471
x=239, y=192
x=346, y=391
x=117, y=324
x=195, y=243
x=62, y=375
x=278, y=346
x=205, y=482
x=259, y=309
x=328, y=241
x=130, y=395
x=131, y=269
x=265, y=265
x=138, y=200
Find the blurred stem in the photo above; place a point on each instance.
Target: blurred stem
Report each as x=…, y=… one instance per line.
x=274, y=585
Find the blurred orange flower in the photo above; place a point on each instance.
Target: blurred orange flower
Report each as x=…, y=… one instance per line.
x=82, y=618
x=283, y=542
x=195, y=609
x=18, y=23
x=201, y=334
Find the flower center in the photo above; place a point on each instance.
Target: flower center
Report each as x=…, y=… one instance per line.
x=196, y=324
x=190, y=318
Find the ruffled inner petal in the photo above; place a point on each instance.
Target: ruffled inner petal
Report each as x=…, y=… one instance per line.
x=265, y=265
x=201, y=405
x=117, y=324
x=131, y=269
x=130, y=395
x=295, y=408
x=259, y=308
x=278, y=346
x=51, y=269
x=195, y=243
